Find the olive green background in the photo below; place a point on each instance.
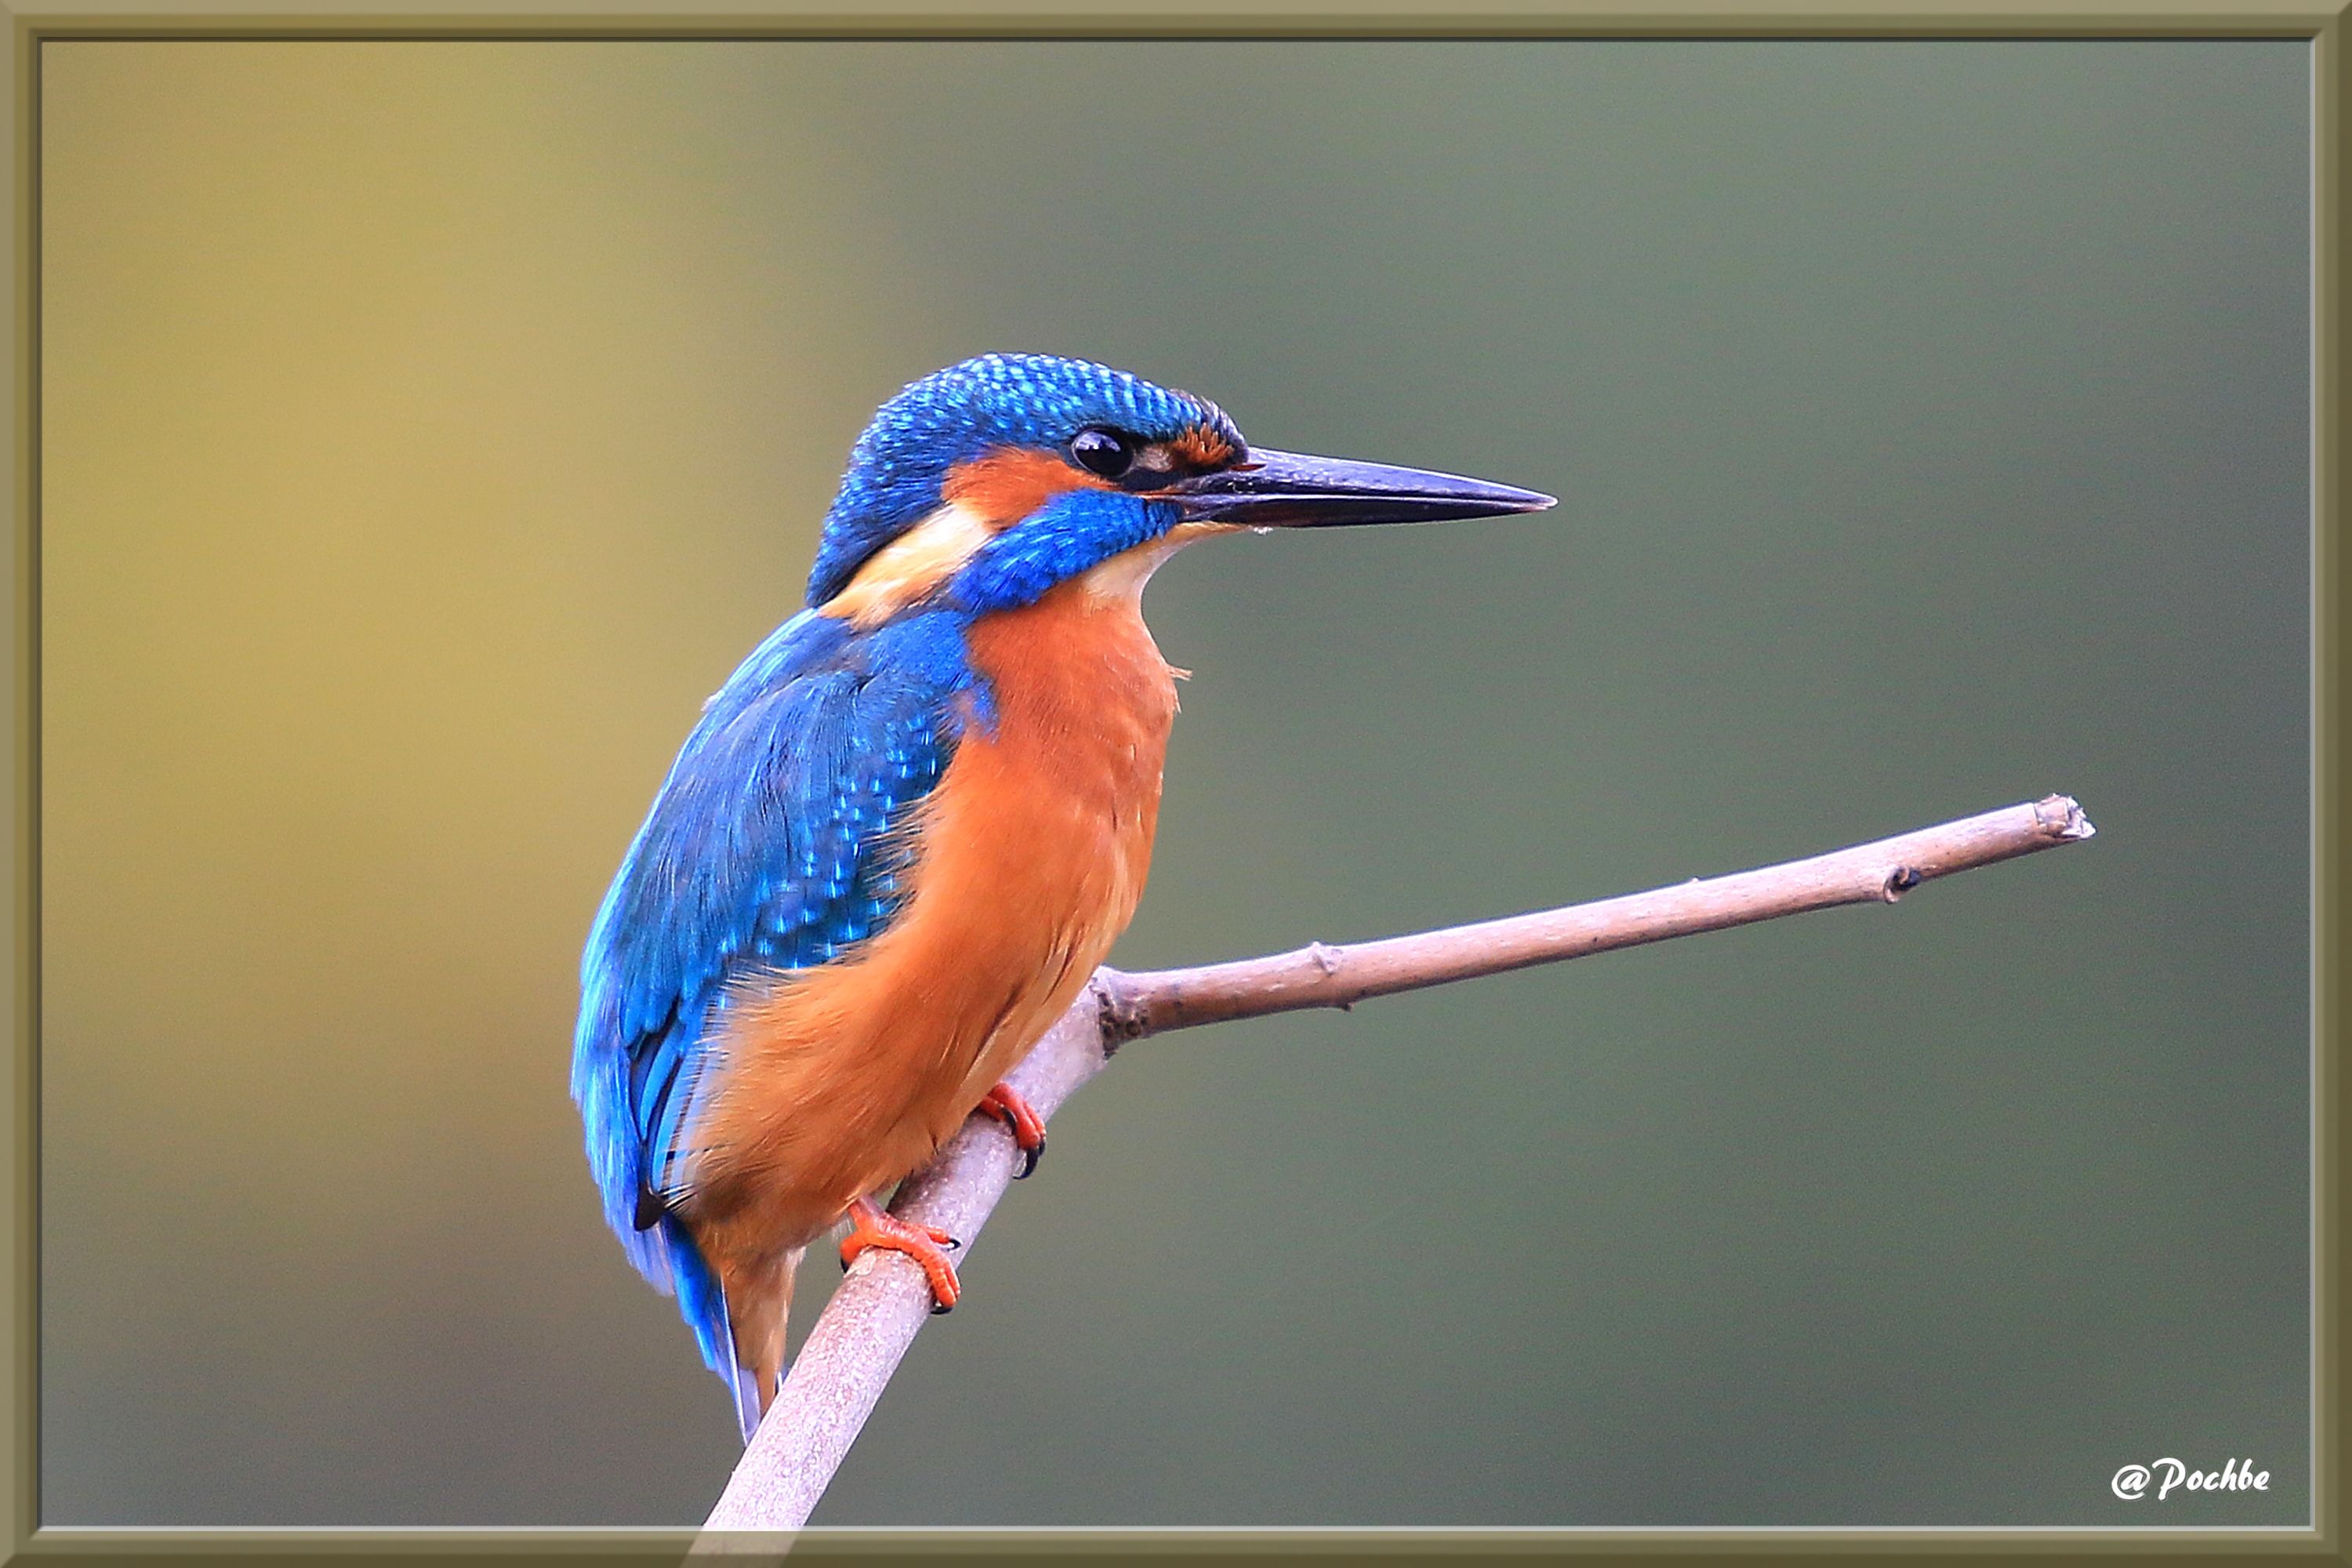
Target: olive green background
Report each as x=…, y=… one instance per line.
x=427, y=429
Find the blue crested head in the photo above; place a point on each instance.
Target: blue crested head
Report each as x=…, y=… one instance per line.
x=1088, y=418
x=981, y=487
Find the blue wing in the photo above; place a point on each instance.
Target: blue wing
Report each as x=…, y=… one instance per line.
x=767, y=847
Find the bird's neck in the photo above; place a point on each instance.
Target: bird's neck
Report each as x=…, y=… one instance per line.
x=1079, y=694
x=1121, y=579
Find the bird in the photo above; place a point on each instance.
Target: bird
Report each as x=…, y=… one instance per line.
x=908, y=826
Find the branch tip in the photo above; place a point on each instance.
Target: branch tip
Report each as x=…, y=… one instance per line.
x=2060, y=817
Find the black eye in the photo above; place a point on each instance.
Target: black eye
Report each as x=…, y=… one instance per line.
x=1104, y=452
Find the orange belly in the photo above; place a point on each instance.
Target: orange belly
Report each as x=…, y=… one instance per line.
x=1031, y=854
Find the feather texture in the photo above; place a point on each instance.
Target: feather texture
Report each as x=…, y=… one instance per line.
x=770, y=846
x=1027, y=861
x=882, y=864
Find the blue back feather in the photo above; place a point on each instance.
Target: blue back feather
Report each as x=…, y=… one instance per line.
x=767, y=848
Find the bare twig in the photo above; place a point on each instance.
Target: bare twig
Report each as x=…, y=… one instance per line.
x=874, y=1316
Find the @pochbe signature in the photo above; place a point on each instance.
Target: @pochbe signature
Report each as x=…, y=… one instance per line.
x=2171, y=1475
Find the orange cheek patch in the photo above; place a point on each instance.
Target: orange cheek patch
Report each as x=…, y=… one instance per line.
x=1009, y=483
x=1202, y=447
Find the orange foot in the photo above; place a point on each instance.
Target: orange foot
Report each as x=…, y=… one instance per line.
x=928, y=1245
x=1004, y=1103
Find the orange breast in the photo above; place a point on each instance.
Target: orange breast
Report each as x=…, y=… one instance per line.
x=1033, y=852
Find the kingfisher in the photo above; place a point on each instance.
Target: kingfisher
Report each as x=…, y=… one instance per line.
x=910, y=824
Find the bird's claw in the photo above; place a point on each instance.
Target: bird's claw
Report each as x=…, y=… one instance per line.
x=928, y=1245
x=1007, y=1105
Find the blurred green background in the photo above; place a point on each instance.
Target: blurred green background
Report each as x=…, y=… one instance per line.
x=428, y=427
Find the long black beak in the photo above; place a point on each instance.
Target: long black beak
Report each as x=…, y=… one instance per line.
x=1285, y=489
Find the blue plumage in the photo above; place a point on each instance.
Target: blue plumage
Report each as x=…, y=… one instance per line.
x=768, y=848
x=1075, y=530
